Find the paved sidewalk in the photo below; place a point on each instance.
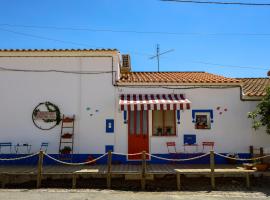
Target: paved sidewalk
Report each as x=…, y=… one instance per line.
x=87, y=194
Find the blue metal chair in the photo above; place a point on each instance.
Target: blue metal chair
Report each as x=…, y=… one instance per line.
x=6, y=144
x=44, y=146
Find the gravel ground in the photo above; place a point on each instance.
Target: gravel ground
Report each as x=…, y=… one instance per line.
x=163, y=188
x=167, y=183
x=91, y=194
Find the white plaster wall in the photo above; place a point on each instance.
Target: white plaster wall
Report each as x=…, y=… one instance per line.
x=21, y=91
x=231, y=131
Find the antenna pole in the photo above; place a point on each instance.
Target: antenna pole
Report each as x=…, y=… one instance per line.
x=158, y=56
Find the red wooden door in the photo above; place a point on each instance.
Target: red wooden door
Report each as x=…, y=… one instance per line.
x=138, y=138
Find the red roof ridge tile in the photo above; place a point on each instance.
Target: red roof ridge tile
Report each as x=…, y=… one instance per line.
x=176, y=77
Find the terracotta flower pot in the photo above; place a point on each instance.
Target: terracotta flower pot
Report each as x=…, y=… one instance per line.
x=67, y=136
x=261, y=167
x=248, y=166
x=67, y=119
x=65, y=152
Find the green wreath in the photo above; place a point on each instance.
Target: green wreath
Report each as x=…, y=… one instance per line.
x=51, y=108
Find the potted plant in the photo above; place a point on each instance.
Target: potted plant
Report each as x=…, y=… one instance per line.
x=159, y=131
x=68, y=119
x=67, y=136
x=168, y=130
x=65, y=150
x=248, y=166
x=261, y=166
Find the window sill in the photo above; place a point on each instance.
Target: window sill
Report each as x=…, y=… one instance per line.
x=202, y=128
x=164, y=135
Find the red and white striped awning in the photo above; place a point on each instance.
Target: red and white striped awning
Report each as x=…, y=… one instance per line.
x=153, y=102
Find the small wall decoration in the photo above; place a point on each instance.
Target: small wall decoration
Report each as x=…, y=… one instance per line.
x=109, y=125
x=203, y=118
x=92, y=111
x=219, y=109
x=46, y=116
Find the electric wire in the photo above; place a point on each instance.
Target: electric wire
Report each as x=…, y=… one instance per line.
x=58, y=71
x=134, y=31
x=137, y=53
x=220, y=2
x=62, y=41
x=231, y=66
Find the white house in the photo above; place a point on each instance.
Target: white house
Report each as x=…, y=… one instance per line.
x=120, y=110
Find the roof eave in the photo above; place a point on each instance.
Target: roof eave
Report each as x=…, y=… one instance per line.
x=56, y=52
x=252, y=98
x=176, y=84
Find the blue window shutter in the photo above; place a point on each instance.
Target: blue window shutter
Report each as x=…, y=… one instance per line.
x=178, y=116
x=125, y=116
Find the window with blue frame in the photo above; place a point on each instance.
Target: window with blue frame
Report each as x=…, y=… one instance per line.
x=202, y=118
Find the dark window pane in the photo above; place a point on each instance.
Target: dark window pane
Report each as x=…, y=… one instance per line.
x=157, y=122
x=144, y=115
x=202, y=121
x=169, y=122
x=131, y=122
x=138, y=122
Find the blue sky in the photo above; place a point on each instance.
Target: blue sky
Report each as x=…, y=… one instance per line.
x=225, y=53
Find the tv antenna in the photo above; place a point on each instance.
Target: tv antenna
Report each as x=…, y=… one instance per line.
x=159, y=54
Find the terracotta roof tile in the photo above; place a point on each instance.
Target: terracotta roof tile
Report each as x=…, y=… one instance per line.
x=175, y=77
x=39, y=50
x=255, y=87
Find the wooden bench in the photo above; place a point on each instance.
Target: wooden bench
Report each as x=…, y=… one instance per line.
x=82, y=171
x=245, y=173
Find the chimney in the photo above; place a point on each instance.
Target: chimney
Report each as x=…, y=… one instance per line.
x=126, y=64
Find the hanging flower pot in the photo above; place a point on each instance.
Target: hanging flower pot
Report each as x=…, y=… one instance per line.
x=261, y=166
x=65, y=150
x=68, y=119
x=67, y=136
x=248, y=166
